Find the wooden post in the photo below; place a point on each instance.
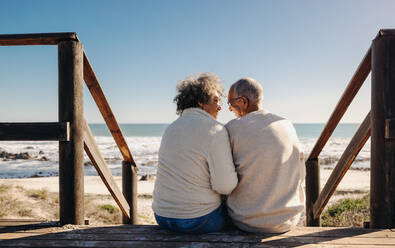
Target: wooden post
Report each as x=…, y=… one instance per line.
x=129, y=190
x=71, y=153
x=382, y=181
x=312, y=190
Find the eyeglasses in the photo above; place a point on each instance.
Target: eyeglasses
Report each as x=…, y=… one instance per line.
x=231, y=101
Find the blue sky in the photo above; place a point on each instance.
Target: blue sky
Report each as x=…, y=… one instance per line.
x=303, y=52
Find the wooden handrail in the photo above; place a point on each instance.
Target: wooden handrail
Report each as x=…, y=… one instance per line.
x=344, y=163
x=70, y=58
x=98, y=161
x=101, y=102
x=352, y=88
x=35, y=39
x=35, y=131
x=315, y=202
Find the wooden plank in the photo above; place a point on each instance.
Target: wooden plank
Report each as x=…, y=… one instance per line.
x=312, y=190
x=35, y=39
x=179, y=237
x=297, y=231
x=128, y=244
x=118, y=244
x=122, y=228
x=151, y=236
x=386, y=32
x=53, y=240
x=344, y=163
x=154, y=230
x=197, y=238
x=352, y=89
x=27, y=222
x=35, y=131
x=71, y=153
x=93, y=152
x=20, y=221
x=101, y=101
x=382, y=169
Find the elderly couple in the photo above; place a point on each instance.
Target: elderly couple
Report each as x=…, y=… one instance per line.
x=248, y=172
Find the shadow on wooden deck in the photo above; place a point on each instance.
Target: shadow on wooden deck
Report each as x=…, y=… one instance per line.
x=32, y=234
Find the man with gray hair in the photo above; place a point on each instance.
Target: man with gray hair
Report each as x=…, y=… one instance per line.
x=267, y=154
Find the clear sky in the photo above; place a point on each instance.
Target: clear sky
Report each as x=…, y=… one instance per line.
x=303, y=52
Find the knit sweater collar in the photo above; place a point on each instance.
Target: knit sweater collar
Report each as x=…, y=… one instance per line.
x=198, y=111
x=253, y=113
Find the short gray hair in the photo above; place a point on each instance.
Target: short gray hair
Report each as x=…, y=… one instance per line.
x=249, y=88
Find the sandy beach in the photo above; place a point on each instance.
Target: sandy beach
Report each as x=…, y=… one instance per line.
x=92, y=184
x=354, y=184
x=354, y=180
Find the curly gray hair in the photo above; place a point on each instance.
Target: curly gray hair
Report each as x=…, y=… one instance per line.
x=249, y=88
x=197, y=89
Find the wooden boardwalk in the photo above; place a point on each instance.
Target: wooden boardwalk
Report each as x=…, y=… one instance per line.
x=23, y=233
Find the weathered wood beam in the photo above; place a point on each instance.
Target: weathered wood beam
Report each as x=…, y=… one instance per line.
x=101, y=101
x=344, y=163
x=93, y=152
x=35, y=131
x=35, y=39
x=312, y=190
x=352, y=89
x=151, y=236
x=382, y=168
x=71, y=153
x=384, y=32
x=129, y=190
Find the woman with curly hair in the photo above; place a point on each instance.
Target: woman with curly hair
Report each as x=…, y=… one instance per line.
x=195, y=161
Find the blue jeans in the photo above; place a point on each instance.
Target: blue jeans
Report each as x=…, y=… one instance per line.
x=211, y=222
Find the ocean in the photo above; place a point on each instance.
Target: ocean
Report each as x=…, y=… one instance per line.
x=144, y=141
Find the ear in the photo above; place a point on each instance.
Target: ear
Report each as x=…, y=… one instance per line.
x=244, y=107
x=245, y=102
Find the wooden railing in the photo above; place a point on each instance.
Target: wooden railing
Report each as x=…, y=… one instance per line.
x=129, y=169
x=74, y=134
x=72, y=131
x=315, y=201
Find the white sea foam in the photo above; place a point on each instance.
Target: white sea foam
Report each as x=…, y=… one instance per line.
x=145, y=153
x=333, y=150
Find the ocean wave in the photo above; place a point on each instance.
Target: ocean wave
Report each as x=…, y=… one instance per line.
x=333, y=160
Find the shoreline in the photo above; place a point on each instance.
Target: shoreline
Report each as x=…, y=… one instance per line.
x=354, y=184
x=354, y=180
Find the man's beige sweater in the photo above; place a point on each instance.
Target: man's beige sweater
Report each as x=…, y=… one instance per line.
x=267, y=156
x=195, y=167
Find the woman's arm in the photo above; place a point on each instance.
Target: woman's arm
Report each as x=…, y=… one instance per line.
x=223, y=175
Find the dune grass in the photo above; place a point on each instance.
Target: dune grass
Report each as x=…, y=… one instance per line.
x=347, y=213
x=17, y=202
x=42, y=194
